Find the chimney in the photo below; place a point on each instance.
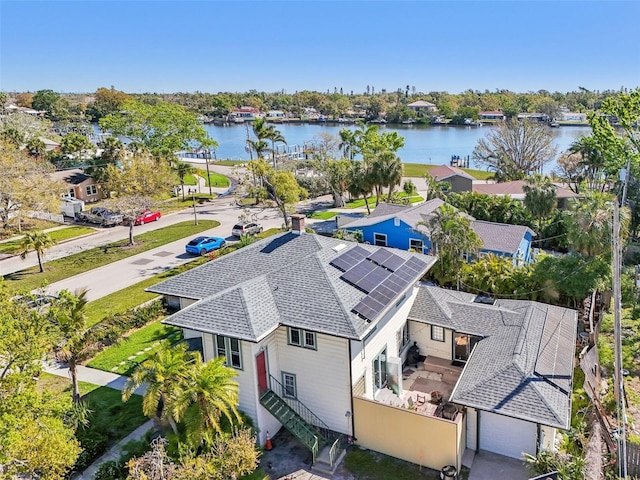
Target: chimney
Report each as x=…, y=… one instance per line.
x=297, y=223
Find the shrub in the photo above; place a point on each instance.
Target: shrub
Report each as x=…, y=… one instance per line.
x=91, y=446
x=110, y=470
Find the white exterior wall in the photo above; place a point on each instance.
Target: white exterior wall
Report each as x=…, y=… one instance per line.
x=421, y=333
x=384, y=335
x=185, y=302
x=472, y=428
x=507, y=436
x=186, y=333
x=322, y=376
x=547, y=438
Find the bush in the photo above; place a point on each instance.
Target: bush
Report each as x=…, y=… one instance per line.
x=110, y=470
x=315, y=186
x=91, y=447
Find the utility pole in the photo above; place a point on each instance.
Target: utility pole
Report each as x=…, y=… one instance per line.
x=195, y=213
x=617, y=333
x=207, y=157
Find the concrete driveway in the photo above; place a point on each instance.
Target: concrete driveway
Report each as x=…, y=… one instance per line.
x=491, y=466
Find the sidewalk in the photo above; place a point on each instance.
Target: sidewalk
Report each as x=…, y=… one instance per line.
x=104, y=379
x=46, y=230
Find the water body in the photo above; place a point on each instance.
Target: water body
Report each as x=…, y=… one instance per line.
x=423, y=143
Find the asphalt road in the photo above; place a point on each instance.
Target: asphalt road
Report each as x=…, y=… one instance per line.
x=118, y=275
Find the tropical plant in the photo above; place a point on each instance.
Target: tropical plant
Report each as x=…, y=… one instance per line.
x=79, y=341
x=360, y=183
x=386, y=169
x=539, y=197
x=162, y=373
x=206, y=392
x=182, y=169
x=38, y=241
x=436, y=189
x=453, y=239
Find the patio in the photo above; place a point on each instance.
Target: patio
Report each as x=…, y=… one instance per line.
x=422, y=385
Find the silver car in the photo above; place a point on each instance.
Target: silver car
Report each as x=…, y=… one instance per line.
x=246, y=228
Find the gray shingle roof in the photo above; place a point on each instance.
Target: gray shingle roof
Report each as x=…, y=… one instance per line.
x=283, y=280
x=500, y=237
x=411, y=215
x=522, y=367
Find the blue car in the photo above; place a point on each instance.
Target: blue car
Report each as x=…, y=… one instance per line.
x=204, y=245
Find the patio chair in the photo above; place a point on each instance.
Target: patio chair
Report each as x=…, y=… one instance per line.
x=420, y=399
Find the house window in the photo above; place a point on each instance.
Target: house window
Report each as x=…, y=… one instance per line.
x=437, y=333
x=380, y=239
x=380, y=369
x=229, y=349
x=402, y=337
x=396, y=222
x=72, y=193
x=302, y=338
x=289, y=388
x=416, y=245
x=91, y=189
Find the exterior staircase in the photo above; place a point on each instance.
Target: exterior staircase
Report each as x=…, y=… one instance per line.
x=325, y=445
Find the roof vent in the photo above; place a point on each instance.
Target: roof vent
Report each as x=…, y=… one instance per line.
x=339, y=247
x=484, y=300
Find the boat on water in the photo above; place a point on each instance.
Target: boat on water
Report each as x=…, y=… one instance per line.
x=554, y=125
x=409, y=121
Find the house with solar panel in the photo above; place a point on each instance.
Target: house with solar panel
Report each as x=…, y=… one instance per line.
x=404, y=227
x=339, y=343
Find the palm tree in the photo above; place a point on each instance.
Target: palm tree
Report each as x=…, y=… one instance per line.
x=593, y=159
x=39, y=242
x=453, y=237
x=360, y=182
x=435, y=189
x=540, y=197
x=258, y=146
x=79, y=341
x=162, y=373
x=208, y=392
x=386, y=171
x=348, y=143
x=183, y=169
x=275, y=137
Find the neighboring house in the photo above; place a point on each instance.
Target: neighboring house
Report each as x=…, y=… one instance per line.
x=538, y=117
x=50, y=144
x=422, y=106
x=244, y=114
x=493, y=115
x=319, y=330
x=397, y=226
x=459, y=180
x=515, y=190
x=81, y=186
x=573, y=117
x=275, y=114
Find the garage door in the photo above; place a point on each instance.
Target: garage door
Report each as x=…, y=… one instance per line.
x=506, y=436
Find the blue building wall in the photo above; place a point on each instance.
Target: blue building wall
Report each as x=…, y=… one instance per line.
x=398, y=235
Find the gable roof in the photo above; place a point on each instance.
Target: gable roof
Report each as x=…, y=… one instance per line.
x=282, y=280
x=442, y=172
x=514, y=189
x=500, y=237
x=523, y=365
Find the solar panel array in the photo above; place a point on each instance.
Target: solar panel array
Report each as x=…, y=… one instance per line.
x=382, y=275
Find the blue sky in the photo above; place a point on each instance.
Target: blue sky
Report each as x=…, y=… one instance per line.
x=213, y=46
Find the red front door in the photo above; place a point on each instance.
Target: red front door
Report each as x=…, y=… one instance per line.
x=261, y=364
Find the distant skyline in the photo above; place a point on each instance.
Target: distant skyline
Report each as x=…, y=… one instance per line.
x=236, y=46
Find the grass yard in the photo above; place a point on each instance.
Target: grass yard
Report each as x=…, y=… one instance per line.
x=111, y=419
x=230, y=163
x=371, y=466
x=135, y=348
x=419, y=169
x=322, y=215
x=13, y=247
x=56, y=270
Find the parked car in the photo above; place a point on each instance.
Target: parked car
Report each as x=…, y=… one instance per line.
x=147, y=216
x=100, y=216
x=37, y=301
x=204, y=245
x=246, y=228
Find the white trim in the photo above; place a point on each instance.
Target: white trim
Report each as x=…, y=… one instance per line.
x=375, y=242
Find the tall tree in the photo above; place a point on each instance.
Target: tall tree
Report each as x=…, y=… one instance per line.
x=163, y=128
x=515, y=148
x=77, y=145
x=283, y=188
x=338, y=173
x=360, y=182
x=54, y=106
x=106, y=101
x=79, y=340
x=453, y=238
x=539, y=198
x=386, y=170
x=348, y=143
x=38, y=241
x=182, y=169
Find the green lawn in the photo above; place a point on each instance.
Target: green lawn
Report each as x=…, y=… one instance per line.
x=111, y=419
x=323, y=215
x=371, y=466
x=419, y=169
x=13, y=247
x=230, y=163
x=215, y=179
x=59, y=269
x=134, y=348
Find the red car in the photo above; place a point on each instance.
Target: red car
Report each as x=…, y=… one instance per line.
x=147, y=216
